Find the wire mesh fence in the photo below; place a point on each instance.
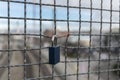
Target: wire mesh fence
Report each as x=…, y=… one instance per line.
x=87, y=32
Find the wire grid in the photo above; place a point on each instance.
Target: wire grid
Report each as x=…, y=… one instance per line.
x=43, y=69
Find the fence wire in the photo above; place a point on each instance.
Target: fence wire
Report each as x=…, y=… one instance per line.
x=88, y=33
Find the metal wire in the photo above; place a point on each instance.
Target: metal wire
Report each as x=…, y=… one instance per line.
x=78, y=61
x=79, y=42
x=25, y=40
x=110, y=38
x=8, y=40
x=101, y=18
x=40, y=40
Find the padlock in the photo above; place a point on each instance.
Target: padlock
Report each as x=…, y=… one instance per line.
x=54, y=55
x=54, y=52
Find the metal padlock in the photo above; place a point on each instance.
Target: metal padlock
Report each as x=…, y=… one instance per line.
x=54, y=52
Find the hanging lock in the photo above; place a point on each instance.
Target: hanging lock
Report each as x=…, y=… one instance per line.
x=54, y=52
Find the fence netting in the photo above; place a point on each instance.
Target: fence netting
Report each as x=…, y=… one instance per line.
x=87, y=32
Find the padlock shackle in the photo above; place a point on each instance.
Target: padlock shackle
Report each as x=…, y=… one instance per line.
x=54, y=40
x=53, y=37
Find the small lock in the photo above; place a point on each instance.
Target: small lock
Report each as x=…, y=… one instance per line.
x=54, y=52
x=54, y=55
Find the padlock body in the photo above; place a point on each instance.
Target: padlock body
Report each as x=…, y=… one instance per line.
x=54, y=55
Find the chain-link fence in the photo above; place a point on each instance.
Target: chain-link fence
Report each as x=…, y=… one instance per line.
x=82, y=37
